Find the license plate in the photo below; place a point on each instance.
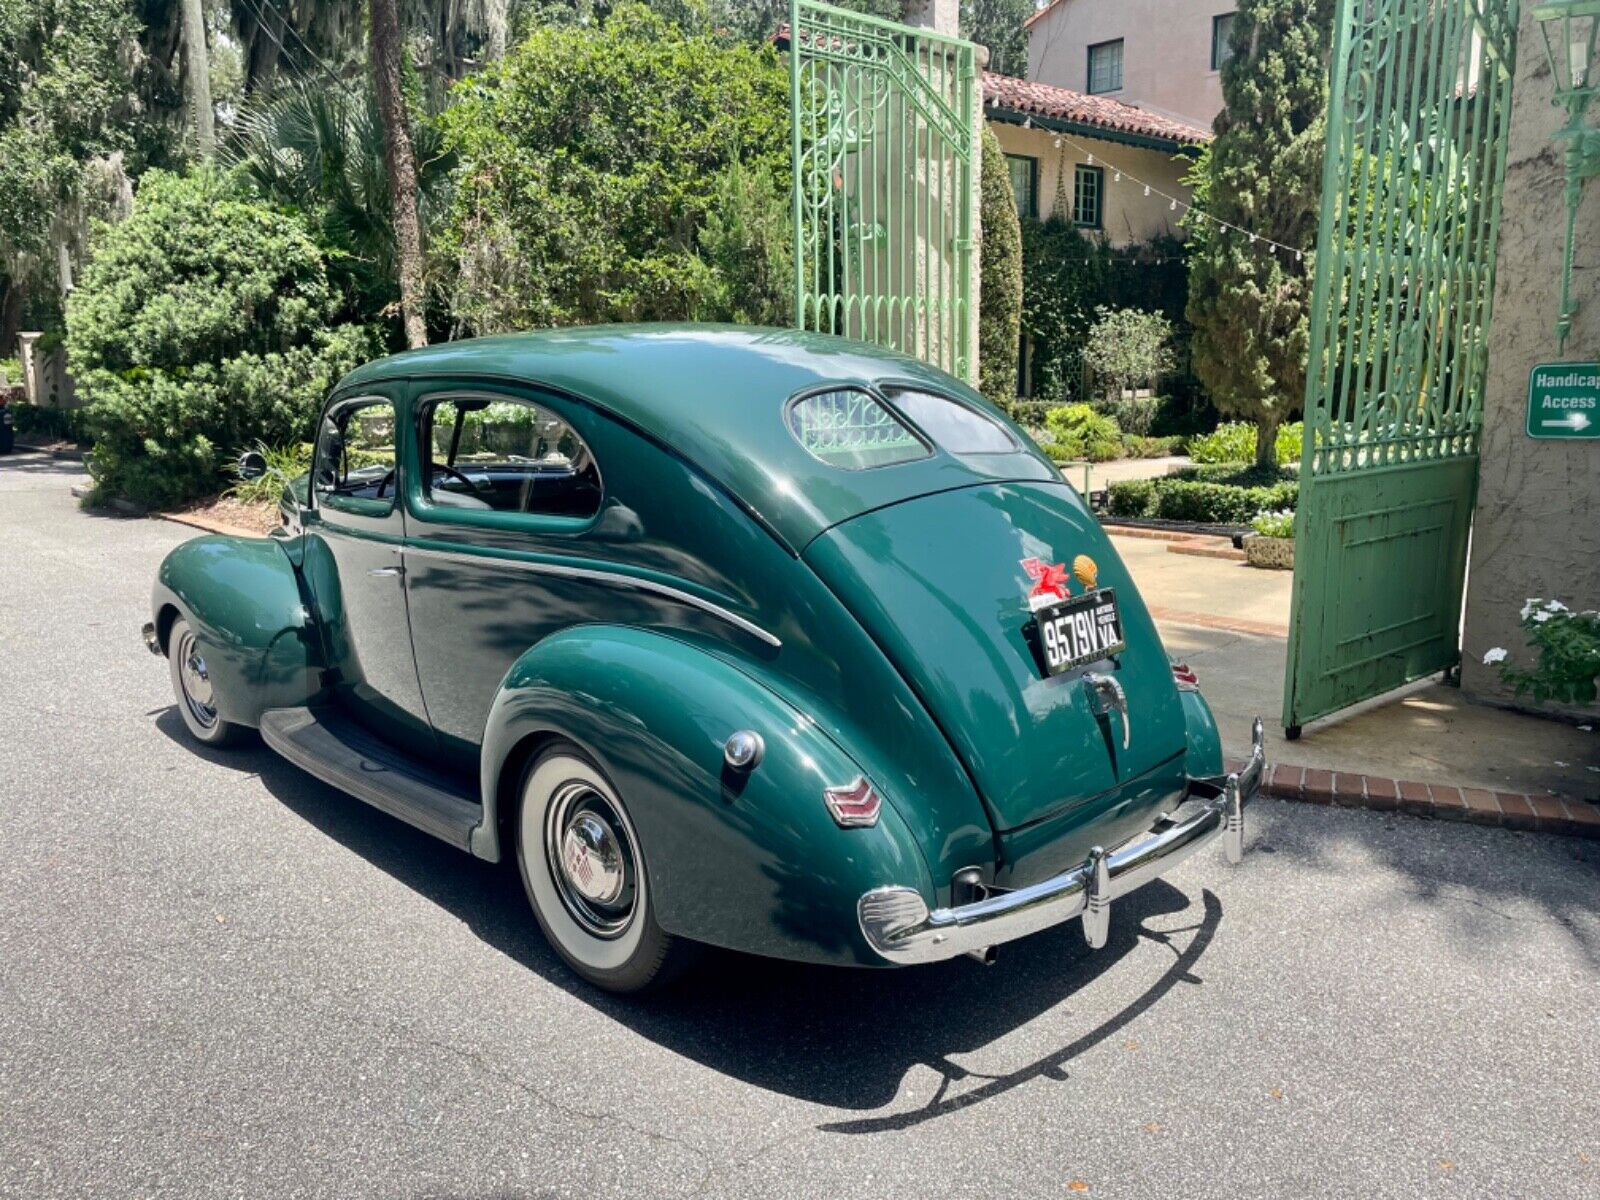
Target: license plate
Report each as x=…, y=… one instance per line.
x=1081, y=630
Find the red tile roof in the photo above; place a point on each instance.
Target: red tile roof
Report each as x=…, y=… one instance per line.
x=1100, y=112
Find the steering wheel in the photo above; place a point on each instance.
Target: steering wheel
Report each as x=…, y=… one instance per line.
x=449, y=470
x=388, y=477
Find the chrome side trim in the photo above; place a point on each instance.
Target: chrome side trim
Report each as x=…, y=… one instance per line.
x=898, y=926
x=613, y=578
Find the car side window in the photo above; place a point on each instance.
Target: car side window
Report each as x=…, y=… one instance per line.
x=355, y=456
x=505, y=455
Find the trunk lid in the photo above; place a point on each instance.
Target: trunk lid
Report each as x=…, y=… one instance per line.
x=939, y=583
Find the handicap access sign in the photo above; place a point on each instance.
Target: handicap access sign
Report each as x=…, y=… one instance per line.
x=1564, y=400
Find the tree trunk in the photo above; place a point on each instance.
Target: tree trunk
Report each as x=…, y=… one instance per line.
x=198, y=70
x=1267, y=441
x=401, y=164
x=495, y=19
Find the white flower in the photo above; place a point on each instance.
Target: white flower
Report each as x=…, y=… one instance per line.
x=1497, y=655
x=1543, y=615
x=1533, y=603
x=1556, y=606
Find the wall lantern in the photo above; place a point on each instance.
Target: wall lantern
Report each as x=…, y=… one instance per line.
x=1570, y=28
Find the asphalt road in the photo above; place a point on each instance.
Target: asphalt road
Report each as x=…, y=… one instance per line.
x=221, y=978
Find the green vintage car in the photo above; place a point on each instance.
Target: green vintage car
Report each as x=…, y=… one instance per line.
x=752, y=638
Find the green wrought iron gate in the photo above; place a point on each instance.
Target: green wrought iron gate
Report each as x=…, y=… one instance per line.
x=1419, y=101
x=885, y=126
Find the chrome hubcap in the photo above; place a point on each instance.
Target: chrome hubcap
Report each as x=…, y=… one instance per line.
x=196, y=680
x=591, y=859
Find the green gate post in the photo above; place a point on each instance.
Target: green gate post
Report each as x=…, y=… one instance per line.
x=1419, y=98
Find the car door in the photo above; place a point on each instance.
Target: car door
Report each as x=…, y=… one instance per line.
x=354, y=534
x=504, y=497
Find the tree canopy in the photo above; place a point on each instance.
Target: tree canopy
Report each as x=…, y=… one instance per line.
x=589, y=161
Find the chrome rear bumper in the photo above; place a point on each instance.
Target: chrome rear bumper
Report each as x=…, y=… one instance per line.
x=897, y=924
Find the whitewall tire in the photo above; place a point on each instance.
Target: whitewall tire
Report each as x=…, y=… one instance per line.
x=586, y=876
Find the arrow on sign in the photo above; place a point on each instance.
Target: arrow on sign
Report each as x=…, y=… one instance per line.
x=1573, y=420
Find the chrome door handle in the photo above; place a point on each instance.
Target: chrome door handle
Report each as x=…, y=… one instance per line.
x=1105, y=697
x=385, y=572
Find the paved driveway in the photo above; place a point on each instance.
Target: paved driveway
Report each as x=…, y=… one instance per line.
x=220, y=978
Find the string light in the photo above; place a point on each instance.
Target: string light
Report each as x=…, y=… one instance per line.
x=1189, y=210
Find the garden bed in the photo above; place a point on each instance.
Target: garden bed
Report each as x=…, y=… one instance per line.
x=234, y=512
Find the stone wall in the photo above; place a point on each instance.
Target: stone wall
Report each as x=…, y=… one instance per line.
x=1537, y=526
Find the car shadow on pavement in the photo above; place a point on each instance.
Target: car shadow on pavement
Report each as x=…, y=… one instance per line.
x=841, y=1037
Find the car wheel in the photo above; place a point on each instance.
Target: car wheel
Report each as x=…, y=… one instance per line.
x=192, y=683
x=586, y=878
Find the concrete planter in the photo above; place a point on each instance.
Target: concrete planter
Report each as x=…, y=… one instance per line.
x=1275, y=554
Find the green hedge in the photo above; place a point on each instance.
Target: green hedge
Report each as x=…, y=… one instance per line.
x=1174, y=499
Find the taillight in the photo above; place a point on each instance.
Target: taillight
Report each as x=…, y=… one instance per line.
x=854, y=804
x=1185, y=677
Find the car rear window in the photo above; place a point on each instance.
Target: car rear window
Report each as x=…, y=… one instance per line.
x=953, y=426
x=849, y=428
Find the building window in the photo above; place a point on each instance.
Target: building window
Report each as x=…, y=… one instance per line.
x=1024, y=183
x=1105, y=67
x=1221, y=33
x=1088, y=196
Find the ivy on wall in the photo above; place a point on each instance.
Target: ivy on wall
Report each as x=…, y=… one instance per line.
x=1067, y=275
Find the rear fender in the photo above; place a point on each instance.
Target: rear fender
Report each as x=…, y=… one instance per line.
x=747, y=860
x=1205, y=739
x=243, y=599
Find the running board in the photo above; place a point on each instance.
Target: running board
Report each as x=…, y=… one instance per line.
x=330, y=745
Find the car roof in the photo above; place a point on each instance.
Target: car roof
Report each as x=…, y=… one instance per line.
x=716, y=395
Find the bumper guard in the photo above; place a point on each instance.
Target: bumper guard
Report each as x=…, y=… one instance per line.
x=898, y=925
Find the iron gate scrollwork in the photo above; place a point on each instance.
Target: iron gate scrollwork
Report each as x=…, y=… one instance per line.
x=1420, y=97
x=884, y=150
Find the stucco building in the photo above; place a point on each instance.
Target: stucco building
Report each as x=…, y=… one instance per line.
x=1163, y=55
x=1116, y=168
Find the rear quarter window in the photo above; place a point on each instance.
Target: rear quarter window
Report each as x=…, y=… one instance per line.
x=953, y=426
x=851, y=429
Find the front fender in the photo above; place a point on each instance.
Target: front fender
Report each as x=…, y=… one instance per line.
x=750, y=861
x=244, y=601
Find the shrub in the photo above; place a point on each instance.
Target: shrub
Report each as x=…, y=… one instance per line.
x=1133, y=414
x=588, y=161
x=1235, y=442
x=1568, y=667
x=1236, y=474
x=1077, y=431
x=54, y=424
x=1000, y=273
x=1132, y=498
x=1134, y=446
x=1274, y=524
x=1128, y=348
x=200, y=327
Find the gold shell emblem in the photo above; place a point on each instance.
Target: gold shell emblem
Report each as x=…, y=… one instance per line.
x=1084, y=570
